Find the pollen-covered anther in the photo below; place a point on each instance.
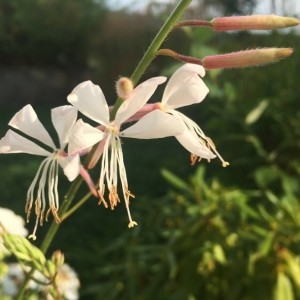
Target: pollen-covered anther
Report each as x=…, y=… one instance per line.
x=52, y=209
x=124, y=87
x=129, y=194
x=132, y=224
x=101, y=196
x=194, y=159
x=114, y=198
x=28, y=207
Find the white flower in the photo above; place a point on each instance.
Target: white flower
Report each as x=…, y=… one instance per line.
x=90, y=101
x=44, y=185
x=12, y=223
x=185, y=87
x=66, y=282
x=13, y=279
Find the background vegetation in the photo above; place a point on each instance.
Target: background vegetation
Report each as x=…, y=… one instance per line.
x=204, y=232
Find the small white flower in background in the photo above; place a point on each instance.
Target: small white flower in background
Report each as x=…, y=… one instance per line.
x=44, y=185
x=66, y=281
x=12, y=280
x=185, y=87
x=12, y=223
x=90, y=101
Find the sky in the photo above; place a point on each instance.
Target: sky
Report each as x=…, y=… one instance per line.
x=283, y=7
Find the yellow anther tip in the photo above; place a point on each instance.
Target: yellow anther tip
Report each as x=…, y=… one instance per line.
x=132, y=224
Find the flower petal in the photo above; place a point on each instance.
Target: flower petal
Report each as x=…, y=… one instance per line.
x=88, y=98
x=70, y=165
x=13, y=142
x=138, y=98
x=156, y=124
x=63, y=119
x=83, y=136
x=185, y=87
x=194, y=145
x=27, y=121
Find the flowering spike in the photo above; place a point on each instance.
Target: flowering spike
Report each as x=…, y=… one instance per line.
x=255, y=22
x=247, y=58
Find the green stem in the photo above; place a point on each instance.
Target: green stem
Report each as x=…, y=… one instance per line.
x=137, y=74
x=154, y=46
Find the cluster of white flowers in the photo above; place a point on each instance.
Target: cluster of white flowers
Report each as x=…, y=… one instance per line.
x=66, y=282
x=159, y=120
x=12, y=223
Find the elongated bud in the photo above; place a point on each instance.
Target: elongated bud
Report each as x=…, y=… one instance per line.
x=248, y=58
x=124, y=87
x=255, y=22
x=240, y=59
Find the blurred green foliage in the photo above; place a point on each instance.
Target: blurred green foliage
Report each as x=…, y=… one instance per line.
x=208, y=232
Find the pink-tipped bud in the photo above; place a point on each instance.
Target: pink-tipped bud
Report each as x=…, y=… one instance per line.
x=255, y=22
x=248, y=58
x=124, y=87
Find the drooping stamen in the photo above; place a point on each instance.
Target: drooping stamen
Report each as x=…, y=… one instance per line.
x=195, y=128
x=101, y=196
x=112, y=168
x=212, y=146
x=47, y=175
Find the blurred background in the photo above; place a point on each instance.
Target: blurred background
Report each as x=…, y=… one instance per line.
x=205, y=232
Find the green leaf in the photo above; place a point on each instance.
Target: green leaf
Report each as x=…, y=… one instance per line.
x=219, y=254
x=283, y=289
x=174, y=180
x=256, y=113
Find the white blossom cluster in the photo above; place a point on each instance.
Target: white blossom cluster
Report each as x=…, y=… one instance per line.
x=77, y=138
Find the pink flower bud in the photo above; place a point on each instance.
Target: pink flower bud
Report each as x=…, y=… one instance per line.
x=255, y=22
x=248, y=58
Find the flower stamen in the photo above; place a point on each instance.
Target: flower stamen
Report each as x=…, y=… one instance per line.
x=100, y=193
x=212, y=146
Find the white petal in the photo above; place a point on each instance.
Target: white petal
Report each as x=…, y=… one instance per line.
x=138, y=98
x=70, y=165
x=156, y=124
x=27, y=121
x=88, y=98
x=13, y=142
x=185, y=87
x=193, y=144
x=83, y=136
x=63, y=119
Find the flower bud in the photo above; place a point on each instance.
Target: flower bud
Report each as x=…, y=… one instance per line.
x=248, y=58
x=58, y=258
x=255, y=22
x=124, y=87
